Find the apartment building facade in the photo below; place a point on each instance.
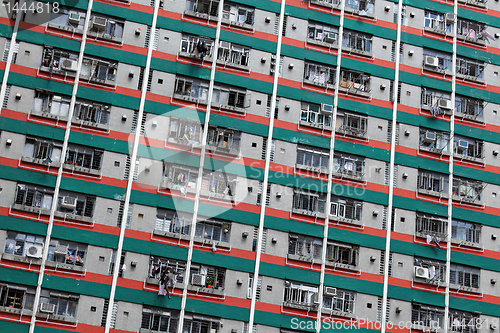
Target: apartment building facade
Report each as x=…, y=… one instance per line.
x=249, y=166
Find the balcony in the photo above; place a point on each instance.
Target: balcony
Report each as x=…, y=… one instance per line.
x=468, y=149
x=197, y=47
x=349, y=167
x=106, y=28
x=33, y=199
x=66, y=255
x=75, y=206
x=305, y=248
x=352, y=125
x=232, y=55
x=346, y=210
x=207, y=280
x=316, y=116
x=355, y=83
x=338, y=302
x=179, y=178
x=309, y=203
x=361, y=8
x=319, y=75
x=468, y=191
x=232, y=14
x=42, y=151
x=301, y=296
x=66, y=19
x=429, y=272
x=322, y=35
x=17, y=299
x=434, y=142
x=185, y=132
x=23, y=248
x=312, y=159
x=357, y=43
x=58, y=306
x=431, y=183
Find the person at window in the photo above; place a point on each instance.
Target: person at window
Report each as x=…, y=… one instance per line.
x=202, y=49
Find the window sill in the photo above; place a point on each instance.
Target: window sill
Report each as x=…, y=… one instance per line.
x=39, y=161
x=337, y=313
x=13, y=257
x=349, y=175
x=233, y=65
x=193, y=56
x=154, y=281
x=303, y=258
x=61, y=265
x=55, y=317
x=344, y=220
x=183, y=142
x=469, y=117
x=97, y=80
x=433, y=193
x=308, y=213
x=205, y=290
x=65, y=28
x=216, y=195
x=356, y=51
x=181, y=188
x=355, y=91
x=311, y=168
x=356, y=11
x=351, y=132
x=301, y=306
x=435, y=150
x=31, y=209
x=237, y=24
x=323, y=4
x=324, y=44
x=466, y=200
x=466, y=39
x=88, y=123
x=58, y=71
x=346, y=267
x=228, y=107
x=48, y=115
x=210, y=242
x=459, y=288
x=468, y=158
x=105, y=37
x=69, y=216
x=190, y=99
x=228, y=151
x=200, y=15
x=76, y=168
x=436, y=70
x=314, y=125
x=429, y=282
x=470, y=78
x=473, y=3
x=170, y=234
x=438, y=31
x=15, y=310
x=325, y=85
x=423, y=234
x=466, y=243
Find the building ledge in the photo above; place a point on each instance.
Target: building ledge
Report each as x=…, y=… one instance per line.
x=183, y=142
x=433, y=193
x=65, y=28
x=307, y=212
x=324, y=44
x=311, y=168
x=351, y=132
x=313, y=125
x=104, y=36
x=343, y=266
x=55, y=317
x=205, y=290
x=233, y=65
x=303, y=258
x=337, y=313
x=468, y=158
x=344, y=220
x=466, y=243
x=76, y=168
x=16, y=311
x=47, y=114
x=319, y=84
x=470, y=201
x=60, y=265
x=434, y=150
x=75, y=217
x=31, y=209
x=25, y=259
x=88, y=123
x=355, y=91
x=460, y=288
x=301, y=306
x=170, y=234
x=39, y=161
x=353, y=175
x=357, y=51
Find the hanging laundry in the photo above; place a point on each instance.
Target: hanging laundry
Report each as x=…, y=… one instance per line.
x=487, y=36
x=432, y=272
x=436, y=241
x=429, y=239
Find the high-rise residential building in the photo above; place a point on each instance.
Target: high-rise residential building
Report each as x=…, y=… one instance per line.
x=250, y=166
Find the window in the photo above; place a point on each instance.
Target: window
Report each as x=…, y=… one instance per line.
x=208, y=7
x=159, y=320
x=319, y=74
x=76, y=203
x=436, y=101
x=469, y=107
x=342, y=253
x=309, y=202
x=354, y=81
x=422, y=315
x=66, y=63
x=343, y=301
x=68, y=253
x=314, y=115
x=184, y=131
x=430, y=225
x=224, y=140
x=304, y=246
x=197, y=46
x=215, y=230
x=92, y=114
x=300, y=294
x=67, y=18
x=194, y=90
x=467, y=189
x=179, y=177
x=437, y=61
x=196, y=324
x=357, y=42
x=33, y=196
x=466, y=231
x=230, y=97
x=464, y=276
x=238, y=14
x=464, y=322
x=432, y=140
x=320, y=33
x=207, y=276
x=16, y=297
x=327, y=3
x=470, y=30
x=312, y=157
x=433, y=182
x=349, y=165
x=65, y=304
x=352, y=124
x=47, y=103
x=346, y=208
x=431, y=271
x=233, y=54
x=172, y=221
x=45, y=151
x=363, y=6
x=177, y=266
x=24, y=245
x=84, y=157
x=470, y=68
x=467, y=147
x=106, y=28
x=438, y=22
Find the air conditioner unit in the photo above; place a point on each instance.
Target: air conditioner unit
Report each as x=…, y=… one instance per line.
x=429, y=137
x=326, y=108
x=69, y=65
x=47, y=307
x=61, y=249
x=462, y=145
x=330, y=291
x=198, y=280
x=99, y=22
x=431, y=61
x=34, y=251
x=449, y=17
x=445, y=104
x=421, y=272
x=68, y=202
x=330, y=38
x=74, y=18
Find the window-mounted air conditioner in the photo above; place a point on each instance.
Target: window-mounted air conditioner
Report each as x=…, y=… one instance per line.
x=99, y=22
x=331, y=38
x=429, y=137
x=326, y=108
x=462, y=145
x=198, y=280
x=445, y=104
x=34, y=251
x=47, y=307
x=68, y=202
x=431, y=61
x=74, y=18
x=330, y=291
x=421, y=272
x=69, y=65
